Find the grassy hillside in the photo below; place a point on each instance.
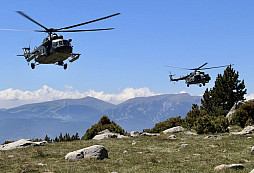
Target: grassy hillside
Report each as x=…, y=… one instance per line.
x=149, y=154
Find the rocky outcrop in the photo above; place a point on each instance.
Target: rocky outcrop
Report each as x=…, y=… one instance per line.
x=22, y=143
x=245, y=131
x=233, y=109
x=95, y=151
x=135, y=133
x=174, y=130
x=232, y=166
x=107, y=134
x=149, y=134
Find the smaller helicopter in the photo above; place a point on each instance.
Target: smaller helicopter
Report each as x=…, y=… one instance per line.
x=195, y=77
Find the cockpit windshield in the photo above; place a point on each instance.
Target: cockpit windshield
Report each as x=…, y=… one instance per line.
x=61, y=43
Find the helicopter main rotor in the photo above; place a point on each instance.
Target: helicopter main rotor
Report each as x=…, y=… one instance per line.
x=199, y=68
x=64, y=29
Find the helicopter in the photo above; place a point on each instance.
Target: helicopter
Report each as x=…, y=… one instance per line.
x=195, y=77
x=54, y=48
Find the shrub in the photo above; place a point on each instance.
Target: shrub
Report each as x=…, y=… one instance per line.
x=104, y=123
x=244, y=115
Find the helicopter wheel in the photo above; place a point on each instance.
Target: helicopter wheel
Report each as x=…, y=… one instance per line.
x=32, y=65
x=200, y=85
x=203, y=84
x=188, y=85
x=65, y=66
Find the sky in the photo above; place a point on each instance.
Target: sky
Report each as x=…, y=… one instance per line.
x=130, y=60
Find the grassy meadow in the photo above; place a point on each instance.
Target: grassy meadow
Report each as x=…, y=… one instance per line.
x=149, y=154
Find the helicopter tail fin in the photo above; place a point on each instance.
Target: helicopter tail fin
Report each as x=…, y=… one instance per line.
x=171, y=76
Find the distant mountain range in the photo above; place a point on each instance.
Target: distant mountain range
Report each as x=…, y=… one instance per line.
x=77, y=115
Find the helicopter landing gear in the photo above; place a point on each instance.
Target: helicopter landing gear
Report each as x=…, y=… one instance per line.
x=203, y=84
x=200, y=85
x=188, y=85
x=65, y=66
x=32, y=65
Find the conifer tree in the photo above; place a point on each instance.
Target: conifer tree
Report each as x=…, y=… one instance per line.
x=228, y=89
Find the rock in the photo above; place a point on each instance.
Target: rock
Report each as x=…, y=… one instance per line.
x=189, y=133
x=133, y=142
x=252, y=149
x=107, y=134
x=184, y=145
x=245, y=131
x=134, y=133
x=104, y=131
x=95, y=151
x=125, y=152
x=196, y=154
x=252, y=171
x=28, y=170
x=22, y=143
x=249, y=137
x=233, y=109
x=149, y=134
x=10, y=156
x=232, y=166
x=172, y=137
x=41, y=164
x=174, y=130
x=213, y=136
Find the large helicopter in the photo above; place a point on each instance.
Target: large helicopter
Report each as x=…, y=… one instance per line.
x=54, y=48
x=195, y=77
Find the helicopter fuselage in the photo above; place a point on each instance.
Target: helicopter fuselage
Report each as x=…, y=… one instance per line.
x=53, y=50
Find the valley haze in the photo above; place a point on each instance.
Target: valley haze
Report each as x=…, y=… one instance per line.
x=77, y=115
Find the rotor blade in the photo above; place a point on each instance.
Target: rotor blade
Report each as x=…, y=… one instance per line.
x=83, y=30
x=17, y=30
x=68, y=27
x=214, y=67
x=26, y=16
x=177, y=67
x=202, y=65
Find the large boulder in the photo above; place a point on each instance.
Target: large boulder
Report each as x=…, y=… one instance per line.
x=232, y=166
x=245, y=131
x=95, y=151
x=174, y=130
x=22, y=143
x=107, y=134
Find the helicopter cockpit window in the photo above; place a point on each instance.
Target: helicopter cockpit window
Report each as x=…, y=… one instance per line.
x=60, y=42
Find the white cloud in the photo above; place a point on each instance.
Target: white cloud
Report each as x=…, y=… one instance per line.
x=249, y=97
x=15, y=97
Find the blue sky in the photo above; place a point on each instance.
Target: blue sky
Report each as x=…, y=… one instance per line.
x=148, y=35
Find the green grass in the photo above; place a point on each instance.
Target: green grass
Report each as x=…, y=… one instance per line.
x=149, y=154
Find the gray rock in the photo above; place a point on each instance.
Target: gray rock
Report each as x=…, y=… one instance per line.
x=10, y=156
x=125, y=152
x=184, y=145
x=232, y=166
x=134, y=133
x=149, y=134
x=22, y=143
x=104, y=131
x=107, y=134
x=233, y=109
x=189, y=133
x=174, y=130
x=133, y=142
x=41, y=164
x=95, y=151
x=252, y=149
x=245, y=131
x=252, y=171
x=172, y=137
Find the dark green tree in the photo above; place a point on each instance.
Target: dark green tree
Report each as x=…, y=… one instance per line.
x=228, y=89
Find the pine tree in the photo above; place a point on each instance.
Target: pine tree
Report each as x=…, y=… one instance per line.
x=228, y=89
